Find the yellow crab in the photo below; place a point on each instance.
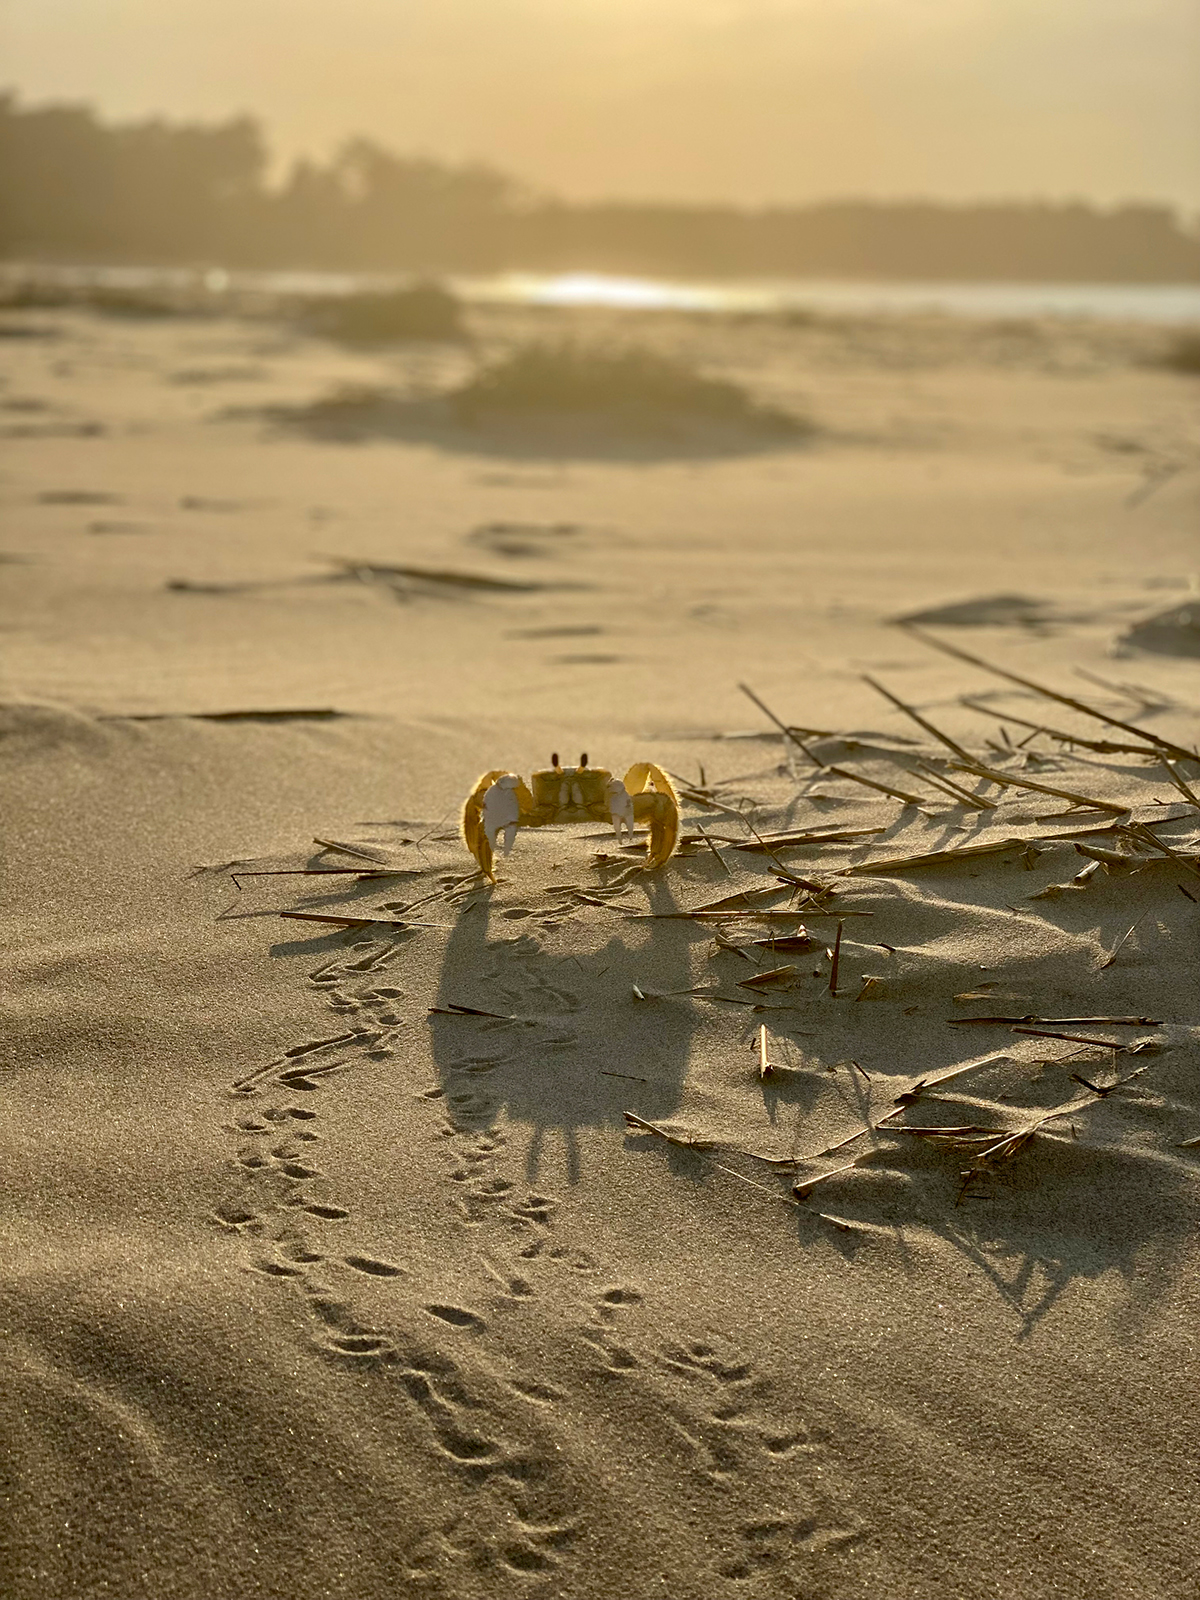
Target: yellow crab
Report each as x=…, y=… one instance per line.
x=501, y=802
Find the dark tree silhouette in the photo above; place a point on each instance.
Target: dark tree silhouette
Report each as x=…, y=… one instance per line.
x=75, y=188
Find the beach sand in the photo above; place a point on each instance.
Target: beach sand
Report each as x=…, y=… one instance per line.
x=315, y=1285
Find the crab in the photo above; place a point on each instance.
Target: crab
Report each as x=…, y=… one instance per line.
x=501, y=802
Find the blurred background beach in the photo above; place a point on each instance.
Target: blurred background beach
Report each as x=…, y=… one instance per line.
x=393, y=392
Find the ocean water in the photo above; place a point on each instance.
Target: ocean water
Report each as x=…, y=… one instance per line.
x=1133, y=302
x=1166, y=304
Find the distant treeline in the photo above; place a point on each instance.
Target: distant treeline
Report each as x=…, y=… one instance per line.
x=73, y=188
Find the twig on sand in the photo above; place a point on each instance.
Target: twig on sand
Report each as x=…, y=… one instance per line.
x=682, y=1141
x=997, y=1145
x=1159, y=743
x=787, y=732
x=833, y=1148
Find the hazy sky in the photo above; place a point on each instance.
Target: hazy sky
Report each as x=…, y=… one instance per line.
x=694, y=99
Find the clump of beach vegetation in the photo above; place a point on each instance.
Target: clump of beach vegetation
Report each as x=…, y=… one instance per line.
x=424, y=311
x=629, y=386
x=1183, y=354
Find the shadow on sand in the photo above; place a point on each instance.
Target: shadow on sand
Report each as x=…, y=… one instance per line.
x=362, y=415
x=581, y=1048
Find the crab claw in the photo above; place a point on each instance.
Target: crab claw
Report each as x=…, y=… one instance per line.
x=502, y=811
x=620, y=807
x=498, y=803
x=654, y=801
x=473, y=830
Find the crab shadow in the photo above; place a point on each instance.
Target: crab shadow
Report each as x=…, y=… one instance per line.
x=580, y=1048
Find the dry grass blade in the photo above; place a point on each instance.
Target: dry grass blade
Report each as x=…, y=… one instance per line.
x=715, y=851
x=1112, y=860
x=1138, y=831
x=1072, y=1038
x=1006, y=780
x=743, y=900
x=834, y=960
x=1066, y=1022
x=788, y=733
x=835, y=772
x=765, y=1065
x=1185, y=789
x=356, y=921
x=802, y=1190
x=636, y=1124
x=1051, y=694
x=1102, y=1090
x=782, y=841
x=769, y=980
x=1108, y=747
x=968, y=1135
x=924, y=1085
x=682, y=1141
x=870, y=783
x=964, y=797
x=323, y=872
x=1128, y=934
x=784, y=941
x=453, y=1009
x=936, y=733
x=351, y=850
x=932, y=857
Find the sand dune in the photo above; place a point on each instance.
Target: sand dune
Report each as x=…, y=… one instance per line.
x=462, y=1247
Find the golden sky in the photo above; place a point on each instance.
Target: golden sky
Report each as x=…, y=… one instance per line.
x=753, y=100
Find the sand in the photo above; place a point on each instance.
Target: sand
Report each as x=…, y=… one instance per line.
x=315, y=1285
